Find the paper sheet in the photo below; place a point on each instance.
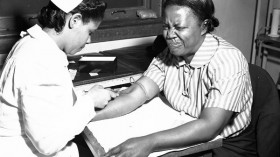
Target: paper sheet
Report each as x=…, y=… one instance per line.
x=151, y=117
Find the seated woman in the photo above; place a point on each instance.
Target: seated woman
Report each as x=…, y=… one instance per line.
x=199, y=73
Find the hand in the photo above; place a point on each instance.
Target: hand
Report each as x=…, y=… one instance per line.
x=134, y=147
x=101, y=96
x=121, y=90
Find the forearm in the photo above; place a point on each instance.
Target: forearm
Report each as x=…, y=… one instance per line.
x=191, y=133
x=211, y=122
x=122, y=105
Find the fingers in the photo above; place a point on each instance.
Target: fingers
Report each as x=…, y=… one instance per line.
x=113, y=152
x=101, y=96
x=113, y=94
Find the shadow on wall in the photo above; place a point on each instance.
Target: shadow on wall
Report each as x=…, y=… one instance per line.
x=10, y=29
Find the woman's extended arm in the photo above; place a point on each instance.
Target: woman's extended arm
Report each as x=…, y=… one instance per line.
x=129, y=99
x=211, y=122
x=207, y=127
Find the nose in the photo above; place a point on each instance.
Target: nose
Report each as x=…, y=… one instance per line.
x=89, y=40
x=170, y=33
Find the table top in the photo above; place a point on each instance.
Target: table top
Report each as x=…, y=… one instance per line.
x=266, y=38
x=103, y=135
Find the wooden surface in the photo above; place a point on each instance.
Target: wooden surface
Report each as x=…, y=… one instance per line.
x=131, y=62
x=117, y=30
x=202, y=148
x=96, y=149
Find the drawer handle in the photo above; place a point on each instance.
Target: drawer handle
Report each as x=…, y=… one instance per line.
x=118, y=11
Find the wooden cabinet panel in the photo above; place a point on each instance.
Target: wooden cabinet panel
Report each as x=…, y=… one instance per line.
x=116, y=26
x=132, y=29
x=7, y=40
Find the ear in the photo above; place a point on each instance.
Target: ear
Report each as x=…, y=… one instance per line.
x=75, y=20
x=204, y=27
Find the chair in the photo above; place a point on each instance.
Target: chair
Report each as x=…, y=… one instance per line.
x=262, y=137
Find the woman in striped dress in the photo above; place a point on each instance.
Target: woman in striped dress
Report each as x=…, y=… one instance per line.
x=200, y=74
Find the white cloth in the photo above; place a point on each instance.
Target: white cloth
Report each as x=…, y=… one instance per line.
x=39, y=109
x=67, y=5
x=154, y=116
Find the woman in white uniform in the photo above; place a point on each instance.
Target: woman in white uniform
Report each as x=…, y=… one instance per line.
x=40, y=113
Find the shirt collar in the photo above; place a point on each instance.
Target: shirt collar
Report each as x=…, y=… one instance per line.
x=37, y=33
x=204, y=53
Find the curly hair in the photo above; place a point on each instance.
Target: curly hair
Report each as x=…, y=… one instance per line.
x=53, y=17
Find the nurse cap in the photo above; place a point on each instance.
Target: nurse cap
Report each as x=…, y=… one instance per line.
x=66, y=5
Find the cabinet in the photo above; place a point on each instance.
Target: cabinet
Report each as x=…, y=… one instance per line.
x=265, y=43
x=120, y=22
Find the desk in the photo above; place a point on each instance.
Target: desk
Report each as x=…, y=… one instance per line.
x=103, y=135
x=131, y=63
x=138, y=58
x=265, y=42
x=95, y=148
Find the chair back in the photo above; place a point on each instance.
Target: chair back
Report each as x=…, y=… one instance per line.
x=265, y=112
x=262, y=137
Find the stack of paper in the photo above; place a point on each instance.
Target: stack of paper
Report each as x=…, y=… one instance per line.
x=151, y=117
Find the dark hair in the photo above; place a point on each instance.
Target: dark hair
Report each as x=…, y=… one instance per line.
x=203, y=9
x=53, y=17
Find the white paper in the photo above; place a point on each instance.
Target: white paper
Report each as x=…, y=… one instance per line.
x=151, y=117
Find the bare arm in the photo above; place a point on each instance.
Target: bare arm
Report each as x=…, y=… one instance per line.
x=129, y=100
x=208, y=126
x=211, y=122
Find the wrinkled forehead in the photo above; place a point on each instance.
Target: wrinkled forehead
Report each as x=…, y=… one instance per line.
x=178, y=13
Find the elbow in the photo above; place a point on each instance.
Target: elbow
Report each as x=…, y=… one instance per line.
x=46, y=143
x=211, y=135
x=209, y=132
x=45, y=148
x=212, y=131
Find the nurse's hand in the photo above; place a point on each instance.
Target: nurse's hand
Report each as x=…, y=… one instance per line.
x=101, y=96
x=134, y=147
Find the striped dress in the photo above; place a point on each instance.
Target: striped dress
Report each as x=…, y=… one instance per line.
x=218, y=76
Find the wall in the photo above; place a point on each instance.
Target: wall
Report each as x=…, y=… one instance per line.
x=236, y=24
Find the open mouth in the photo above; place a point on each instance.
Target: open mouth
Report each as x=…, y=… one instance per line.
x=174, y=45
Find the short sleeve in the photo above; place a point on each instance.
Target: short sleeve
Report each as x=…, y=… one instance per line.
x=230, y=82
x=156, y=72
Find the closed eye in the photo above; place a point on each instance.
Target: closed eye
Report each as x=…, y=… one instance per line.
x=165, y=27
x=179, y=28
